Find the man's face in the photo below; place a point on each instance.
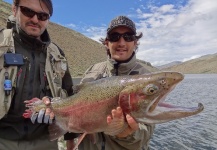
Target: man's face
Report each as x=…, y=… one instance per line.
x=31, y=25
x=121, y=50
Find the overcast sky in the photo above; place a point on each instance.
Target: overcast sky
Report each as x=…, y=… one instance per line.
x=173, y=30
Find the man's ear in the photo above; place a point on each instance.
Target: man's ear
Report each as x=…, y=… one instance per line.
x=136, y=42
x=14, y=10
x=106, y=44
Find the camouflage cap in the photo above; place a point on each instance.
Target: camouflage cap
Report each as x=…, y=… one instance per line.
x=121, y=21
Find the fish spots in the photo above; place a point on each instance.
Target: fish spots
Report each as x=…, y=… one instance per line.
x=163, y=82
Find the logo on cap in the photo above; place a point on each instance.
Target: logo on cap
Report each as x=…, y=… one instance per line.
x=121, y=21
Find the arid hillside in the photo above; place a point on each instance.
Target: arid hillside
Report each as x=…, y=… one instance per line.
x=205, y=64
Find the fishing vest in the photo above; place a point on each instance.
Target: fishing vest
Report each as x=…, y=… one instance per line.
x=55, y=68
x=100, y=70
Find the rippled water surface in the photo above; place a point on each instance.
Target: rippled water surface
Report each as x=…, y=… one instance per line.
x=197, y=132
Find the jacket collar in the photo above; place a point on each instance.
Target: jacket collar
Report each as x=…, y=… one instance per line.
x=30, y=41
x=121, y=68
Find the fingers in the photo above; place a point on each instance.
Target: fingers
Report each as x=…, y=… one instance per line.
x=116, y=113
x=41, y=115
x=109, y=119
x=45, y=115
x=132, y=123
x=52, y=117
x=46, y=100
x=132, y=127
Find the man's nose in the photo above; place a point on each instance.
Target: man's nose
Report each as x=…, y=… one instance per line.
x=35, y=18
x=121, y=41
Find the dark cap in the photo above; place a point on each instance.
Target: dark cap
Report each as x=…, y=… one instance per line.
x=121, y=21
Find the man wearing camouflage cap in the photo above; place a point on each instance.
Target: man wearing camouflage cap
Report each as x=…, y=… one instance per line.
x=121, y=43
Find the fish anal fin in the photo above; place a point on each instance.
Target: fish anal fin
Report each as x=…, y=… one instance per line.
x=80, y=138
x=55, y=132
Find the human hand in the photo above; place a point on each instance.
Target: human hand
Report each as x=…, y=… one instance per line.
x=132, y=127
x=117, y=114
x=44, y=115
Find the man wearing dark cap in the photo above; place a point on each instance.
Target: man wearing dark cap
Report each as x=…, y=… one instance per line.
x=33, y=73
x=121, y=43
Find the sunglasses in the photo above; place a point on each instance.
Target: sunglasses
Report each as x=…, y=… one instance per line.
x=30, y=13
x=114, y=37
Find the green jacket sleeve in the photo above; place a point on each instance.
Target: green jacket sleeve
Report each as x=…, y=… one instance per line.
x=137, y=141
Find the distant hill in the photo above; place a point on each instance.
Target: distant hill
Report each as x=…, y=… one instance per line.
x=205, y=64
x=80, y=51
x=148, y=66
x=169, y=65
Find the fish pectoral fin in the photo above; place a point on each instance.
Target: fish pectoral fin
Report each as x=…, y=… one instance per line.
x=55, y=132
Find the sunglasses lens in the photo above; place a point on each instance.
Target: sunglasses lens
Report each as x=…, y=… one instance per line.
x=27, y=12
x=43, y=16
x=114, y=37
x=30, y=13
x=128, y=37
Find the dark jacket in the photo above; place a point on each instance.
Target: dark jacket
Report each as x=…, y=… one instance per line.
x=30, y=84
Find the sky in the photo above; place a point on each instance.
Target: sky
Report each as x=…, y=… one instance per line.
x=173, y=30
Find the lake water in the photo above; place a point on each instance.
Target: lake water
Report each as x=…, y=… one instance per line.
x=197, y=132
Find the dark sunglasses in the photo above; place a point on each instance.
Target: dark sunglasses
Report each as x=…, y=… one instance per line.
x=30, y=13
x=114, y=37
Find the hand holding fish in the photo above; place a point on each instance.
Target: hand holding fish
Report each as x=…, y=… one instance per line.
x=44, y=115
x=132, y=124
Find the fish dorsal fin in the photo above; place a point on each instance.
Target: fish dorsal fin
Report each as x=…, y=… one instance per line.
x=78, y=87
x=55, y=132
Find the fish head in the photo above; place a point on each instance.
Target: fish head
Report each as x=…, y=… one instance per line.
x=146, y=94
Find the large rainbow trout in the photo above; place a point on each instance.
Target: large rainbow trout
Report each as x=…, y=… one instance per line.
x=141, y=96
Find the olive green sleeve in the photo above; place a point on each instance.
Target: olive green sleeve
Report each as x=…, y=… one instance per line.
x=138, y=140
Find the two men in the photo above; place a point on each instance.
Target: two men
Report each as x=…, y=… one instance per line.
x=39, y=77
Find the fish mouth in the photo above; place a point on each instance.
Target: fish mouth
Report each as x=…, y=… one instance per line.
x=160, y=111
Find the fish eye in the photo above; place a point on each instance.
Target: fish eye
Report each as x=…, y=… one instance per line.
x=150, y=89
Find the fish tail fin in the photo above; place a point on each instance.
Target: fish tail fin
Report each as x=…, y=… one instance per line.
x=55, y=132
x=30, y=104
